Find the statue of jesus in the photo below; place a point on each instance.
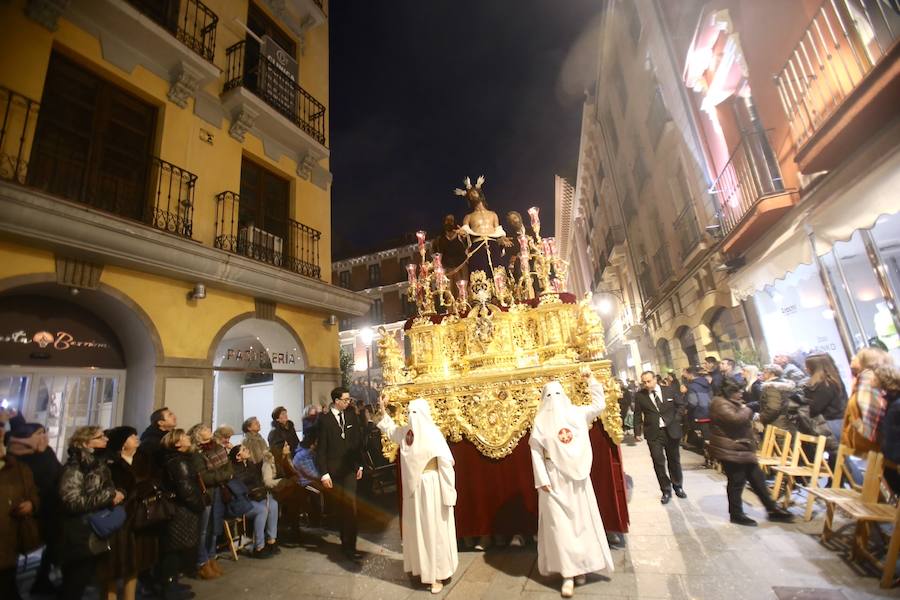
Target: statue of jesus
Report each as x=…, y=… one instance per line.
x=482, y=228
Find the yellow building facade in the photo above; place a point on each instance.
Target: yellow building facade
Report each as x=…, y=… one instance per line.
x=165, y=211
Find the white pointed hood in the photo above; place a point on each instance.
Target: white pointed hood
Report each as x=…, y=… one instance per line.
x=561, y=430
x=422, y=441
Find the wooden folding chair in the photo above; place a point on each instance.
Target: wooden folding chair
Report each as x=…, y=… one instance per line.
x=801, y=466
x=866, y=514
x=843, y=487
x=234, y=534
x=776, y=448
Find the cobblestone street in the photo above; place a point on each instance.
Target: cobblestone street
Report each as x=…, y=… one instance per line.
x=687, y=549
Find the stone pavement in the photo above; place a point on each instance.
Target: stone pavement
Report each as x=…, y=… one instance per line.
x=687, y=549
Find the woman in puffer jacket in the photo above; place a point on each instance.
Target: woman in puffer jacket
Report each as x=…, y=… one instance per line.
x=183, y=530
x=85, y=486
x=215, y=471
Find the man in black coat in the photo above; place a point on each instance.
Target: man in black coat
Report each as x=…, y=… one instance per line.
x=339, y=459
x=657, y=416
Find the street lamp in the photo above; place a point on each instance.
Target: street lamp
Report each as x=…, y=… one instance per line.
x=366, y=335
x=604, y=301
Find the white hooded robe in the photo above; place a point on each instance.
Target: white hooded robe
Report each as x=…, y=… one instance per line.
x=429, y=494
x=571, y=537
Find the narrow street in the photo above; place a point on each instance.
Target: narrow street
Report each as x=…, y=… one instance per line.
x=687, y=549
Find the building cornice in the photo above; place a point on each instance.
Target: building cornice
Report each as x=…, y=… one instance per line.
x=78, y=231
x=347, y=263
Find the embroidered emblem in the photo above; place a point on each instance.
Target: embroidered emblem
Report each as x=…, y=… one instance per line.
x=565, y=435
x=409, y=437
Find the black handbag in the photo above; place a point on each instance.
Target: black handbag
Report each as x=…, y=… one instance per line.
x=154, y=509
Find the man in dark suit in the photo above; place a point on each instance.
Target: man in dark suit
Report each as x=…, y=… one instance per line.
x=657, y=416
x=339, y=459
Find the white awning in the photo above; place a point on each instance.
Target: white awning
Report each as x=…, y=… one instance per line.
x=865, y=188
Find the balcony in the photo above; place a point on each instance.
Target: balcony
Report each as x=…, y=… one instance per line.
x=615, y=238
x=296, y=250
x=174, y=39
x=687, y=230
x=841, y=83
x=663, y=265
x=151, y=190
x=750, y=193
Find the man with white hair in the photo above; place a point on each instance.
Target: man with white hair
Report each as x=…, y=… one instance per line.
x=571, y=537
x=429, y=495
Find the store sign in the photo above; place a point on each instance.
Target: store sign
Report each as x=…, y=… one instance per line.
x=50, y=332
x=61, y=340
x=259, y=356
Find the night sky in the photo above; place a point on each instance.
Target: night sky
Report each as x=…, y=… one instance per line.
x=424, y=93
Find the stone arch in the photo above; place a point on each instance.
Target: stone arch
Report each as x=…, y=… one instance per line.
x=140, y=340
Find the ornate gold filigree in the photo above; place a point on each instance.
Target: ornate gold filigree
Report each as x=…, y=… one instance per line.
x=494, y=410
x=393, y=368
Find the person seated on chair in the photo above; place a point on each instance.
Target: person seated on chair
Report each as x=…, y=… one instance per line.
x=250, y=474
x=308, y=476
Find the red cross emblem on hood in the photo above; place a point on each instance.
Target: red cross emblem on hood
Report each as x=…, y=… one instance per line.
x=565, y=435
x=410, y=436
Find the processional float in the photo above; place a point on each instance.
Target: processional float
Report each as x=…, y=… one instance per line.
x=481, y=354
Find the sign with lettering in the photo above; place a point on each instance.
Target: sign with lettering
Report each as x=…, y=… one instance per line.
x=260, y=357
x=42, y=331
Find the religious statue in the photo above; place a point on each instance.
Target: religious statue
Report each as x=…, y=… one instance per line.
x=589, y=330
x=482, y=227
x=393, y=367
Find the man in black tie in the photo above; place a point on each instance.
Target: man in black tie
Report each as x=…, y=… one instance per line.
x=339, y=459
x=657, y=415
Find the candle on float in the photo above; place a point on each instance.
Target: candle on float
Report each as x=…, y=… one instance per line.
x=556, y=284
x=423, y=271
x=545, y=247
x=411, y=274
x=420, y=236
x=533, y=213
x=523, y=244
x=436, y=259
x=439, y=276
x=523, y=262
x=461, y=288
x=551, y=245
x=499, y=282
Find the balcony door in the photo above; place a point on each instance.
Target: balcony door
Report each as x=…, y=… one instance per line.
x=263, y=221
x=93, y=141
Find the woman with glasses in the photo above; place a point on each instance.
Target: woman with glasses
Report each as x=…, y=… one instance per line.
x=85, y=486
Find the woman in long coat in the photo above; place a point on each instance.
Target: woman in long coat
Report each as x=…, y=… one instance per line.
x=19, y=499
x=86, y=486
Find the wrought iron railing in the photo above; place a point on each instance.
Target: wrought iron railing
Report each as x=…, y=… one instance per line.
x=297, y=250
x=16, y=130
x=687, y=230
x=663, y=264
x=276, y=89
x=190, y=21
x=841, y=45
x=614, y=235
x=751, y=174
x=171, y=197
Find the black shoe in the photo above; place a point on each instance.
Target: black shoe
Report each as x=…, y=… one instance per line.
x=171, y=591
x=273, y=548
x=354, y=555
x=781, y=515
x=679, y=491
x=264, y=553
x=743, y=520
x=665, y=498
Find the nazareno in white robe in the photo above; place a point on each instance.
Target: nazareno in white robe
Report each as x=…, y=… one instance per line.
x=429, y=494
x=571, y=537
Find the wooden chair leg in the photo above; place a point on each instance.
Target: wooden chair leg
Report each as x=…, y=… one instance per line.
x=828, y=525
x=890, y=560
x=776, y=486
x=810, y=501
x=228, y=536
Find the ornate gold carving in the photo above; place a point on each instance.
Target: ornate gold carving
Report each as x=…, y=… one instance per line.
x=393, y=369
x=494, y=410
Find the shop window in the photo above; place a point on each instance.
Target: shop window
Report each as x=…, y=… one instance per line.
x=93, y=141
x=862, y=305
x=264, y=206
x=688, y=345
x=375, y=274
x=344, y=277
x=724, y=333
x=796, y=320
x=886, y=235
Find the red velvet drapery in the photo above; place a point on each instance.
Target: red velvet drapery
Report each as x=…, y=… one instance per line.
x=498, y=496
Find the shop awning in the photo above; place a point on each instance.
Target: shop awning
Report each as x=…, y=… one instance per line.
x=847, y=200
